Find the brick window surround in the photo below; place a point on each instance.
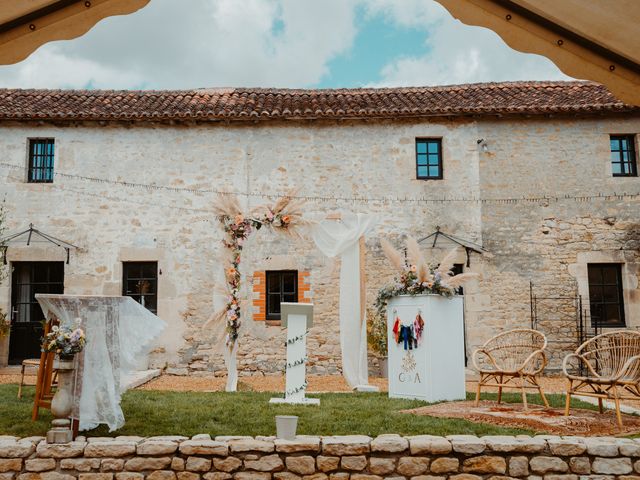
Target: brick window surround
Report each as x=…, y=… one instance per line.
x=259, y=281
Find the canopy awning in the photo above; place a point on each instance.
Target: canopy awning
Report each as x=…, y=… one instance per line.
x=468, y=245
x=595, y=40
x=26, y=25
x=32, y=235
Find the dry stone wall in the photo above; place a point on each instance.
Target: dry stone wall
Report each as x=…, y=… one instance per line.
x=355, y=457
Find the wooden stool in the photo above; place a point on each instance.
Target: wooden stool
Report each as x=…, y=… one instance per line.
x=29, y=362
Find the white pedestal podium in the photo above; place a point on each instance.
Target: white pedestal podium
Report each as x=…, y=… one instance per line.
x=434, y=370
x=297, y=318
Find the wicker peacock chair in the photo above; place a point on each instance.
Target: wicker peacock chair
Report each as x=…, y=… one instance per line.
x=512, y=359
x=605, y=367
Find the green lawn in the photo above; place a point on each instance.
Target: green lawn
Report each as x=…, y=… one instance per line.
x=249, y=413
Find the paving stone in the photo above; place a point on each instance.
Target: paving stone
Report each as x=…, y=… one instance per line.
x=602, y=447
x=177, y=464
x=80, y=464
x=300, y=444
x=567, y=447
x=39, y=464
x=509, y=444
x=611, y=466
x=112, y=464
x=286, y=476
x=389, y=443
x=96, y=476
x=429, y=445
x=304, y=464
x=156, y=447
x=465, y=476
x=217, y=476
x=485, y=464
x=129, y=476
x=13, y=449
x=251, y=445
x=548, y=465
x=139, y=464
x=198, y=464
x=327, y=464
x=382, y=466
x=252, y=476
x=162, y=475
x=54, y=450
x=229, y=464
x=268, y=463
x=204, y=447
x=10, y=465
x=580, y=465
x=110, y=449
x=346, y=445
x=445, y=465
x=188, y=476
x=412, y=465
x=467, y=444
x=518, y=466
x=354, y=463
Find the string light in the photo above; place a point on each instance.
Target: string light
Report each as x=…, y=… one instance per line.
x=336, y=198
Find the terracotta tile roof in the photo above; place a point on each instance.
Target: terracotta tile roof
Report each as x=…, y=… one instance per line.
x=513, y=98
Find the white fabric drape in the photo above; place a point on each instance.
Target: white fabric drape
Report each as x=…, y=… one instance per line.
x=118, y=331
x=340, y=238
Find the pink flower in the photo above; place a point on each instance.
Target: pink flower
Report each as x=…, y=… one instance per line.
x=269, y=214
x=239, y=219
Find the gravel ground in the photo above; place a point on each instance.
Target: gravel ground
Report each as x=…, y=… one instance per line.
x=268, y=383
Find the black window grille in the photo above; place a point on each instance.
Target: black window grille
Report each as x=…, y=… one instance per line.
x=606, y=295
x=623, y=156
x=282, y=286
x=140, y=282
x=41, y=156
x=428, y=158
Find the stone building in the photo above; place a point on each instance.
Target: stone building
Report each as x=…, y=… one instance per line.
x=542, y=175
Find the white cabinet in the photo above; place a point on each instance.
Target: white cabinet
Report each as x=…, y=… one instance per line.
x=434, y=369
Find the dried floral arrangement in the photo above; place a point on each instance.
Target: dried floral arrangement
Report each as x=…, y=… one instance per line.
x=417, y=276
x=5, y=324
x=284, y=216
x=64, y=340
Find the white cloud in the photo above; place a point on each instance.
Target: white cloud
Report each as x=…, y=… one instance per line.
x=456, y=53
x=210, y=43
x=285, y=43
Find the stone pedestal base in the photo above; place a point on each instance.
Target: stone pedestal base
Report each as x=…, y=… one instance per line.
x=366, y=388
x=296, y=401
x=61, y=431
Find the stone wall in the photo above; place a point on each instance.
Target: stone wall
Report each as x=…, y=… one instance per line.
x=548, y=243
x=425, y=457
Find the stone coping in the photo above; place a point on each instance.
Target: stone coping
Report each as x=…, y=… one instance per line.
x=204, y=444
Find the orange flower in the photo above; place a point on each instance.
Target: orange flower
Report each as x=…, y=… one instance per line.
x=285, y=219
x=413, y=268
x=231, y=271
x=239, y=219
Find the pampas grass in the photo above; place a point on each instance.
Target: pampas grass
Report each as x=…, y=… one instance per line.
x=394, y=256
x=444, y=269
x=458, y=280
x=227, y=206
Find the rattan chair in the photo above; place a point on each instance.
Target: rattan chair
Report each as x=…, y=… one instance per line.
x=512, y=359
x=606, y=367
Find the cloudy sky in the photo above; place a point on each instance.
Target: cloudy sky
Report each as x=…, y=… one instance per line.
x=278, y=43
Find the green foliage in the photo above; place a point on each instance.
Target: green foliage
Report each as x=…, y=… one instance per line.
x=249, y=413
x=377, y=332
